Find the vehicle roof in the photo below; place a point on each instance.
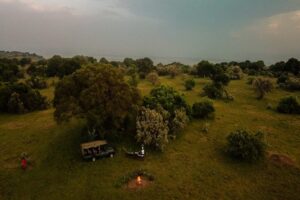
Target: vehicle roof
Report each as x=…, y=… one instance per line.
x=92, y=144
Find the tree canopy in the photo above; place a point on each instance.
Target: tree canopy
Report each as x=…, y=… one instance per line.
x=168, y=98
x=99, y=94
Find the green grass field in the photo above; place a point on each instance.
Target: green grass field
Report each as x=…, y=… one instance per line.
x=192, y=167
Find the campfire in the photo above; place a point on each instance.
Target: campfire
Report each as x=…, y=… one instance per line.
x=139, y=180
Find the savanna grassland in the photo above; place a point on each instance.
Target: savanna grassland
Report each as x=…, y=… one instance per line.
x=194, y=166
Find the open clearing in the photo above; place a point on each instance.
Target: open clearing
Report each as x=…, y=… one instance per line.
x=192, y=167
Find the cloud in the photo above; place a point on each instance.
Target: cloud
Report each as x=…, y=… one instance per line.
x=39, y=6
x=275, y=36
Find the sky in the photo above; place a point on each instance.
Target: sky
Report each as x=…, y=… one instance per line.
x=169, y=30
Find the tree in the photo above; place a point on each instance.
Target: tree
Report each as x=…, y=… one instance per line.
x=104, y=61
x=68, y=67
x=144, y=66
x=293, y=66
x=53, y=66
x=207, y=69
x=168, y=98
x=36, y=70
x=289, y=105
x=20, y=98
x=151, y=128
x=25, y=61
x=189, y=84
x=15, y=104
x=9, y=70
x=58, y=66
x=36, y=82
x=129, y=62
x=98, y=94
x=246, y=146
x=262, y=86
x=153, y=78
x=202, y=109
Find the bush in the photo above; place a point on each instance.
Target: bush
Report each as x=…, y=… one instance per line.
x=289, y=105
x=202, y=109
x=20, y=98
x=292, y=85
x=212, y=91
x=162, y=70
x=235, y=73
x=262, y=86
x=153, y=78
x=189, y=84
x=151, y=128
x=245, y=146
x=173, y=71
x=282, y=79
x=179, y=121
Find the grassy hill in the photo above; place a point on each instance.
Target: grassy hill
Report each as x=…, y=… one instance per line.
x=19, y=55
x=192, y=167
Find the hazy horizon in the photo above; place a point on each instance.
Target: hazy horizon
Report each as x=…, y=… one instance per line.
x=165, y=30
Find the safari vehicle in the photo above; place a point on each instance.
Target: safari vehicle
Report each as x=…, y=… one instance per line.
x=96, y=149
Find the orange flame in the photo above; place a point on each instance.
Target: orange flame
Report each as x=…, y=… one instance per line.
x=139, y=180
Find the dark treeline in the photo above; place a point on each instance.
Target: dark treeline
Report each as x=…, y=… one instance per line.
x=37, y=70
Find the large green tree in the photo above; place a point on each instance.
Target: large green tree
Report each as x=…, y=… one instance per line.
x=144, y=66
x=98, y=94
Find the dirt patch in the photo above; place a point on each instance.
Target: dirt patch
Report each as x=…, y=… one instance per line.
x=135, y=184
x=281, y=159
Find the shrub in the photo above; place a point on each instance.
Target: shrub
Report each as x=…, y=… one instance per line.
x=262, y=86
x=173, y=71
x=202, y=109
x=292, y=85
x=235, y=73
x=245, y=146
x=212, y=91
x=282, y=79
x=179, y=121
x=162, y=70
x=151, y=128
x=289, y=105
x=153, y=78
x=189, y=84
x=221, y=79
